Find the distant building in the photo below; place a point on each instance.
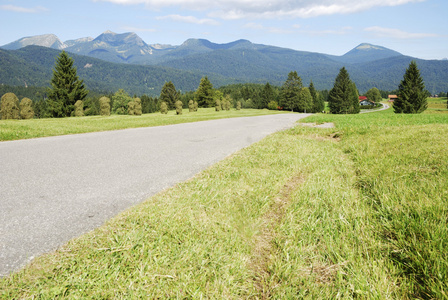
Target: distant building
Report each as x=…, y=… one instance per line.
x=392, y=98
x=364, y=101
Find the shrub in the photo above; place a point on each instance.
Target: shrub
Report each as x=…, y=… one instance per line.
x=9, y=107
x=273, y=105
x=26, y=109
x=79, y=108
x=195, y=106
x=105, y=106
x=178, y=105
x=131, y=108
x=191, y=106
x=120, y=102
x=138, y=107
x=163, y=107
x=217, y=105
x=238, y=105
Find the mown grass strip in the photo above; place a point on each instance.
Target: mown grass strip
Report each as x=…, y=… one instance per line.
x=25, y=129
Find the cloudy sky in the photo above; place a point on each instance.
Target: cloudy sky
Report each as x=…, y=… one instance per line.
x=418, y=28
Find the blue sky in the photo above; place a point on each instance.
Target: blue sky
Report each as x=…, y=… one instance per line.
x=418, y=28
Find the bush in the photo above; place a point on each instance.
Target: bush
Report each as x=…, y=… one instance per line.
x=178, y=105
x=273, y=105
x=163, y=107
x=105, y=106
x=131, y=108
x=238, y=105
x=195, y=106
x=217, y=105
x=191, y=106
x=26, y=109
x=9, y=107
x=138, y=107
x=79, y=108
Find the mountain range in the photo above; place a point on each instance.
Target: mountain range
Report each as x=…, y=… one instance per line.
x=144, y=67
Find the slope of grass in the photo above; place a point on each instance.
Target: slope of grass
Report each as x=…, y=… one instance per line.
x=25, y=129
x=356, y=211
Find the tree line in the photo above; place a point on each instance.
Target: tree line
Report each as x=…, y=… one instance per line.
x=68, y=96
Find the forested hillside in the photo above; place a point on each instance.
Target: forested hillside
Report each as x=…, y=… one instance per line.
x=33, y=65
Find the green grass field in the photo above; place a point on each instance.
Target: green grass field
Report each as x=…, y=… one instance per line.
x=25, y=129
x=355, y=211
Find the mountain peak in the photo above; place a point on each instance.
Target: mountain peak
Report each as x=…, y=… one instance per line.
x=108, y=32
x=367, y=47
x=44, y=40
x=366, y=52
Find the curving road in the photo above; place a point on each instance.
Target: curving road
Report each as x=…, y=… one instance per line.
x=54, y=189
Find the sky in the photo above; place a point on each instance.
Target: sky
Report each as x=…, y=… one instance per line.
x=418, y=28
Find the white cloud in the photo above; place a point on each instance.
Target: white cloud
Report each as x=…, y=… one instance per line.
x=241, y=9
x=189, y=19
x=393, y=33
x=19, y=9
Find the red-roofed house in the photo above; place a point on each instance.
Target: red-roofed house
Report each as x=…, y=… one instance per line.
x=364, y=101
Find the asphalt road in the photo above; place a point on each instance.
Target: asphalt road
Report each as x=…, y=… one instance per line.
x=57, y=188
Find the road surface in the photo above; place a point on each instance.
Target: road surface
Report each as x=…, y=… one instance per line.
x=57, y=188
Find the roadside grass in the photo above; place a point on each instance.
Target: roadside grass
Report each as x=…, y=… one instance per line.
x=355, y=211
x=25, y=129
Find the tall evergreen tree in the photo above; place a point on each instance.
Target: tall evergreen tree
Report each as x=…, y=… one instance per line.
x=411, y=92
x=343, y=98
x=169, y=95
x=204, y=93
x=267, y=95
x=290, y=92
x=318, y=100
x=305, y=103
x=66, y=87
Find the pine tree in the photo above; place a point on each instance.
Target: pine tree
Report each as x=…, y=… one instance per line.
x=267, y=95
x=169, y=95
x=290, y=93
x=204, y=93
x=66, y=88
x=411, y=92
x=318, y=100
x=305, y=103
x=343, y=98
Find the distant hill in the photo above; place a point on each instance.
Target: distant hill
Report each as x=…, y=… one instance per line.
x=236, y=62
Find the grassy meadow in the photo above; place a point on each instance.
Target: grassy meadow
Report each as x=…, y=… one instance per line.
x=25, y=129
x=355, y=211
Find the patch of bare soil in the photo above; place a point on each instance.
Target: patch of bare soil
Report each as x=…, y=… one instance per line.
x=315, y=125
x=263, y=241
